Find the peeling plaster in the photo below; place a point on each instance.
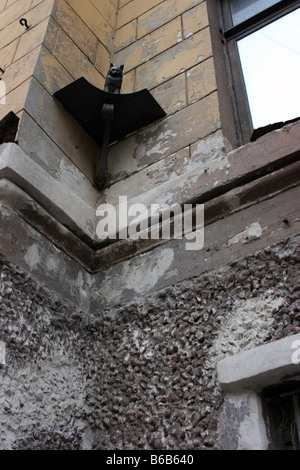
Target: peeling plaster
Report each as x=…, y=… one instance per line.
x=241, y=424
x=247, y=326
x=179, y=36
x=152, y=272
x=140, y=277
x=52, y=264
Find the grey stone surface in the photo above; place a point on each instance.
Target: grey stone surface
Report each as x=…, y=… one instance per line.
x=53, y=190
x=259, y=367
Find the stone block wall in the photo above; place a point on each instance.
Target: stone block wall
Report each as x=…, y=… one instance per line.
x=165, y=47
x=64, y=42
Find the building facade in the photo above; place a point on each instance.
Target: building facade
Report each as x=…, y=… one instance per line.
x=136, y=342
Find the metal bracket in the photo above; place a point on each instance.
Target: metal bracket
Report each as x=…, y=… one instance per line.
x=107, y=114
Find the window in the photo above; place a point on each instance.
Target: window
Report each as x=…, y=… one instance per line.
x=282, y=408
x=262, y=38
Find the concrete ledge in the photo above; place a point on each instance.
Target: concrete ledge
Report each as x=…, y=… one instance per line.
x=54, y=196
x=260, y=367
x=217, y=208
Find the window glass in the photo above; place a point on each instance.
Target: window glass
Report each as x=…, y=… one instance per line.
x=270, y=59
x=284, y=420
x=242, y=10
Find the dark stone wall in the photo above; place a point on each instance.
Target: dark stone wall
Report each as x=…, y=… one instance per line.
x=140, y=376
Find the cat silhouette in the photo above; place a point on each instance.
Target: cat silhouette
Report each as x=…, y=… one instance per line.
x=114, y=79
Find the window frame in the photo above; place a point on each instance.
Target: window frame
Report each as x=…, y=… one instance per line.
x=231, y=35
x=261, y=372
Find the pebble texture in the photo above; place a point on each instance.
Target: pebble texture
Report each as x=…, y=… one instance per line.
x=140, y=376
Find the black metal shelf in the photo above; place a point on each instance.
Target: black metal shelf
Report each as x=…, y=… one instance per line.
x=127, y=113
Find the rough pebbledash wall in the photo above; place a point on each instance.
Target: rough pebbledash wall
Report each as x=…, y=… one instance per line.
x=140, y=375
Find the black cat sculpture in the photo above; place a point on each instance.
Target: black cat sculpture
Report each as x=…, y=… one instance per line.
x=114, y=79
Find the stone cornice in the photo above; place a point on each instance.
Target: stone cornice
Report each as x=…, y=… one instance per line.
x=254, y=172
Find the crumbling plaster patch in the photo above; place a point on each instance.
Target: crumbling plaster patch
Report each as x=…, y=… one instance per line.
x=241, y=423
x=253, y=435
x=247, y=326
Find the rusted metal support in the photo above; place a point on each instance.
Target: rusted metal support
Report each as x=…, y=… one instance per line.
x=107, y=115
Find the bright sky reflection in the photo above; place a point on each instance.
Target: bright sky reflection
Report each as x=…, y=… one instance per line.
x=241, y=10
x=270, y=60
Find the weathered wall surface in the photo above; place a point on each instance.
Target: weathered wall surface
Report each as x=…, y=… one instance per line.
x=225, y=241
x=166, y=395
x=64, y=42
x=43, y=385
x=138, y=369
x=141, y=375
x=166, y=47
x=20, y=49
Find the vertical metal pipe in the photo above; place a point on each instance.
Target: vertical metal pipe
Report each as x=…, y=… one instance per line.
x=107, y=115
